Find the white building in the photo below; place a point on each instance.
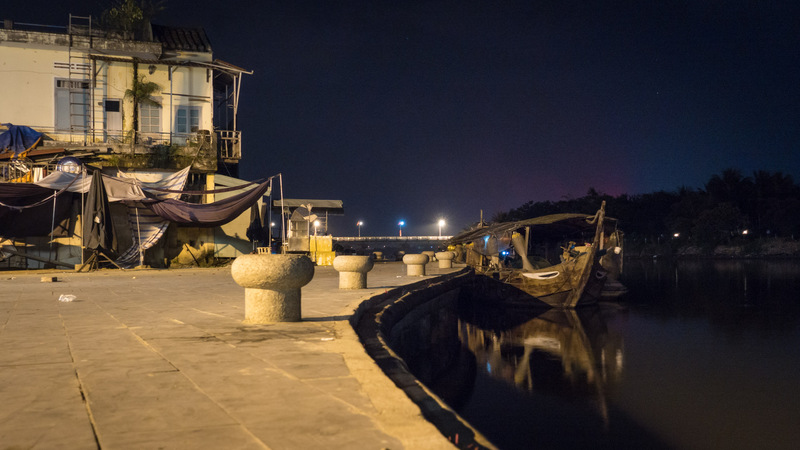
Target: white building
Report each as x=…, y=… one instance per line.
x=74, y=85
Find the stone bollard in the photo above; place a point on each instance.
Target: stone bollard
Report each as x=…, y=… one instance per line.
x=272, y=285
x=431, y=255
x=445, y=259
x=378, y=256
x=352, y=271
x=415, y=264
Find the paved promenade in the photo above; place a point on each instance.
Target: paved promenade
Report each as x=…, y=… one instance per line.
x=160, y=359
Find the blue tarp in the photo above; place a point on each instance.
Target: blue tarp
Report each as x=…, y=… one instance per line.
x=19, y=138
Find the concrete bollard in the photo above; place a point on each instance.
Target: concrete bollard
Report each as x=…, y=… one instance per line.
x=272, y=285
x=431, y=255
x=378, y=256
x=352, y=271
x=445, y=259
x=415, y=264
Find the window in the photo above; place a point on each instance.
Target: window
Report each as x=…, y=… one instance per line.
x=112, y=106
x=187, y=119
x=71, y=101
x=149, y=118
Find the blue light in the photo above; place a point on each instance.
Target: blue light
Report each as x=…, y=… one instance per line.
x=401, y=223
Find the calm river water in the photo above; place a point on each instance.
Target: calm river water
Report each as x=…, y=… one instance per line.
x=698, y=355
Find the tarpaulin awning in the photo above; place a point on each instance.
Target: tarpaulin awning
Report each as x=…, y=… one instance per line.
x=207, y=214
x=146, y=226
x=124, y=187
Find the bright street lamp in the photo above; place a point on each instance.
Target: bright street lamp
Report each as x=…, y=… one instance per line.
x=400, y=224
x=359, y=223
x=441, y=224
x=316, y=225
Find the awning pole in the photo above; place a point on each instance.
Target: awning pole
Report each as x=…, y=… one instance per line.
x=52, y=226
x=269, y=213
x=83, y=212
x=139, y=233
x=284, y=244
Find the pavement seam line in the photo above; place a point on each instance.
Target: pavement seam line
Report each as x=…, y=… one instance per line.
x=84, y=394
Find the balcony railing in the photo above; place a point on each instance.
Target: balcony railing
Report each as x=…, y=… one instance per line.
x=24, y=171
x=229, y=144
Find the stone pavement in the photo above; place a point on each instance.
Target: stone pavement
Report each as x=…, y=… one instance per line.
x=160, y=359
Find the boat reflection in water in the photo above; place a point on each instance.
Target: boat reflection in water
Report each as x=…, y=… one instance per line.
x=524, y=377
x=563, y=351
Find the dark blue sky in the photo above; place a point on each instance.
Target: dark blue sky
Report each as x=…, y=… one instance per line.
x=422, y=110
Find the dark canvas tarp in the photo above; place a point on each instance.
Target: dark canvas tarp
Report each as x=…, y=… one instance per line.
x=98, y=228
x=207, y=214
x=256, y=232
x=18, y=219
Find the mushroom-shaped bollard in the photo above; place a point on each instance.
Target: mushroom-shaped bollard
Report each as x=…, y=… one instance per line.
x=272, y=285
x=378, y=256
x=352, y=271
x=445, y=259
x=431, y=255
x=415, y=264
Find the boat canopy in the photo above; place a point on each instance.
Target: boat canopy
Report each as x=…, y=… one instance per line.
x=552, y=226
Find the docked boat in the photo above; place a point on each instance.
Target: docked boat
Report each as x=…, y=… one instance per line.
x=563, y=260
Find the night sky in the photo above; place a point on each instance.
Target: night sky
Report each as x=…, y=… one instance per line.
x=419, y=110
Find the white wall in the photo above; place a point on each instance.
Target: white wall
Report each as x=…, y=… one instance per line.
x=27, y=84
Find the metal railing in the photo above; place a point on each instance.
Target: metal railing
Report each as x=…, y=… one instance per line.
x=229, y=144
x=390, y=238
x=24, y=171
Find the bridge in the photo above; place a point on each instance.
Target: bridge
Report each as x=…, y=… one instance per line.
x=390, y=238
x=390, y=245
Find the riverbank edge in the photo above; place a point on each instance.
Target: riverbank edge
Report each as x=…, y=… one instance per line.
x=373, y=321
x=764, y=248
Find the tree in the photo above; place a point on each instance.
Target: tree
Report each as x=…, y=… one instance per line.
x=129, y=16
x=140, y=92
x=718, y=225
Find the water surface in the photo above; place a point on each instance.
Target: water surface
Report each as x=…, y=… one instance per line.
x=698, y=355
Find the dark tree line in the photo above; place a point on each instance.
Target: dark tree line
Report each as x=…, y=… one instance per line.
x=729, y=208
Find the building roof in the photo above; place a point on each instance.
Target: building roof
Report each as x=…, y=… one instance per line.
x=182, y=38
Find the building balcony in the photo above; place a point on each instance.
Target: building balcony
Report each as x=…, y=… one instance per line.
x=126, y=150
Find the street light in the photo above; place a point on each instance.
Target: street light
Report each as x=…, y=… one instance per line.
x=400, y=224
x=359, y=223
x=316, y=225
x=441, y=224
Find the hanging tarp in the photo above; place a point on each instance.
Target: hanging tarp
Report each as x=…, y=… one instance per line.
x=27, y=210
x=19, y=139
x=98, y=228
x=207, y=214
x=124, y=187
x=146, y=226
x=256, y=232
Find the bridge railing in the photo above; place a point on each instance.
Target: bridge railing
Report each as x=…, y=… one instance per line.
x=390, y=238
